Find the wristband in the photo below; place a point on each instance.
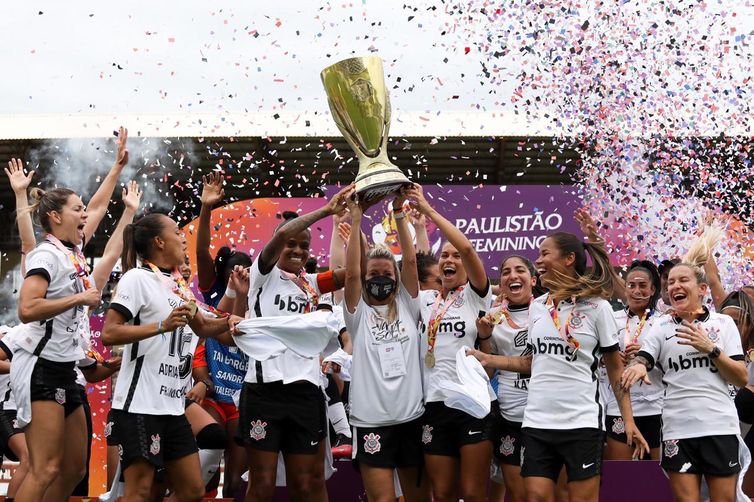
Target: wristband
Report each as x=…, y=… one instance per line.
x=230, y=292
x=399, y=215
x=159, y=328
x=483, y=339
x=207, y=383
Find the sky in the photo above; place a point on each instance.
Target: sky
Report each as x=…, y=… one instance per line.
x=223, y=60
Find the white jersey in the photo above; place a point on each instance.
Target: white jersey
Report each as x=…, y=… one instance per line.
x=697, y=402
x=512, y=388
x=153, y=370
x=386, y=379
x=56, y=339
x=457, y=329
x=9, y=344
x=646, y=400
x=272, y=295
x=564, y=393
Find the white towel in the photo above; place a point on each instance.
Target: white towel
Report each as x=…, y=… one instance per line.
x=20, y=381
x=473, y=395
x=344, y=359
x=262, y=338
x=117, y=490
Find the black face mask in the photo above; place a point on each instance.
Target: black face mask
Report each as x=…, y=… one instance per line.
x=380, y=287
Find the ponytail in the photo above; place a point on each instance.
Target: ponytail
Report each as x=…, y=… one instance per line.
x=43, y=203
x=137, y=239
x=599, y=281
x=698, y=254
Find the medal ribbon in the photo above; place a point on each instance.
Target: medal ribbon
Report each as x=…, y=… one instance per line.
x=181, y=289
x=635, y=338
x=77, y=259
x=504, y=312
x=435, y=317
x=565, y=334
x=308, y=289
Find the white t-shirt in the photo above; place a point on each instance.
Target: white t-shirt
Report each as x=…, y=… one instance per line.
x=272, y=295
x=646, y=400
x=697, y=402
x=386, y=380
x=564, y=394
x=57, y=339
x=457, y=329
x=512, y=388
x=153, y=370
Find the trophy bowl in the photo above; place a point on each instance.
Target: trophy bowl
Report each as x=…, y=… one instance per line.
x=360, y=106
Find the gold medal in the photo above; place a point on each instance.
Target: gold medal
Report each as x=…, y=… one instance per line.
x=429, y=360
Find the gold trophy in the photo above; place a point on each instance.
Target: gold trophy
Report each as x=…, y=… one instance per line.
x=360, y=105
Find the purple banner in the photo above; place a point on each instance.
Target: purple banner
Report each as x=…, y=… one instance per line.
x=498, y=220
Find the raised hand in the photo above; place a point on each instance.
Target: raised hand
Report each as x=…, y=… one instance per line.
x=19, y=181
x=212, y=192
x=339, y=201
x=417, y=218
x=121, y=158
x=344, y=231
x=416, y=193
x=239, y=279
x=132, y=196
x=354, y=207
x=587, y=224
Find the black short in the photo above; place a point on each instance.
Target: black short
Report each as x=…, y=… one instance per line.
x=276, y=417
x=54, y=381
x=546, y=451
x=506, y=439
x=8, y=428
x=391, y=446
x=155, y=438
x=713, y=455
x=445, y=430
x=649, y=426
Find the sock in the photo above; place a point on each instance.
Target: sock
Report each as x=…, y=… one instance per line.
x=210, y=463
x=338, y=418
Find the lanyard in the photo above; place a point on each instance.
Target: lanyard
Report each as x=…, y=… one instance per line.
x=308, y=289
x=436, y=316
x=635, y=337
x=179, y=287
x=505, y=312
x=564, y=332
x=76, y=257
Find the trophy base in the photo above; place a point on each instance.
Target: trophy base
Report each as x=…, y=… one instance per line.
x=381, y=183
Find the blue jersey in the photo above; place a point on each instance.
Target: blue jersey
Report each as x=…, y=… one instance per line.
x=214, y=294
x=227, y=368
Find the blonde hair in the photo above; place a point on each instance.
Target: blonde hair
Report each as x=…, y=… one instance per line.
x=382, y=252
x=698, y=254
